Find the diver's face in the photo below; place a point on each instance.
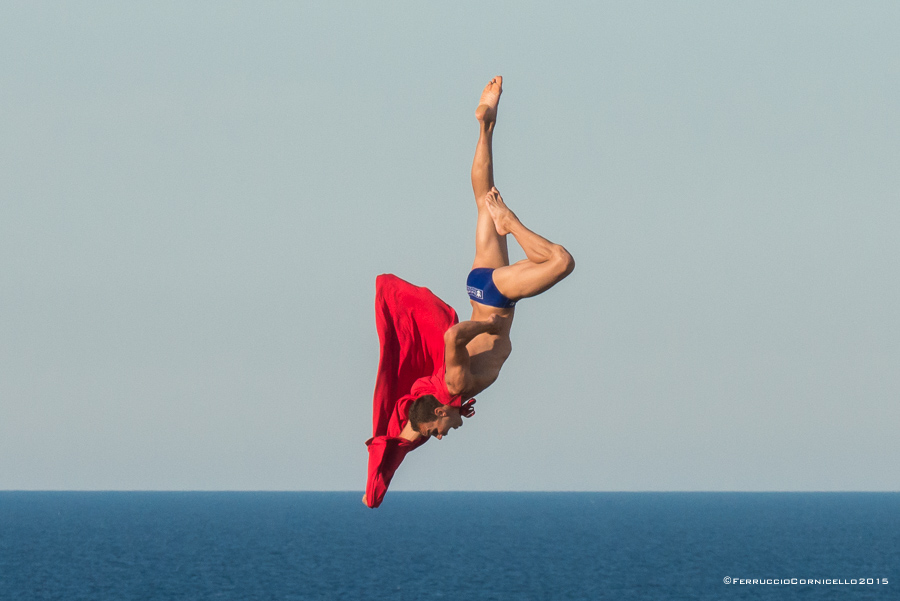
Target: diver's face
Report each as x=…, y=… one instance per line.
x=449, y=419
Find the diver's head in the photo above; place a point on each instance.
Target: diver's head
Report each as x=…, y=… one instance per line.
x=429, y=417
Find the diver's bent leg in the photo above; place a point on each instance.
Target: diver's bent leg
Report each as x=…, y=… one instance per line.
x=527, y=278
x=547, y=263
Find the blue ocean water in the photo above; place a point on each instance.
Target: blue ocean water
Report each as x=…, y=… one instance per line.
x=153, y=546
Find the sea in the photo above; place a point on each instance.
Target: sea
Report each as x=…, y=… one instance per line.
x=156, y=546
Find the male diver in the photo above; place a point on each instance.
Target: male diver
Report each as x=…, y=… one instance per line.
x=438, y=394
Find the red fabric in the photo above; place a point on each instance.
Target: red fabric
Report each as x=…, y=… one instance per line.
x=411, y=322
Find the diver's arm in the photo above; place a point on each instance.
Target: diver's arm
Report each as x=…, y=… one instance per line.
x=458, y=376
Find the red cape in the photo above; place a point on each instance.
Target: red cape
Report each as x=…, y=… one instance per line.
x=411, y=322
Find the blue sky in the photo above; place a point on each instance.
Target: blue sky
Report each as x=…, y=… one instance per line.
x=197, y=199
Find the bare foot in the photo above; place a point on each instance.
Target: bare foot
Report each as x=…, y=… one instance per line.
x=490, y=98
x=500, y=213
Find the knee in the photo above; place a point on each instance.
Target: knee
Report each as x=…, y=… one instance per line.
x=564, y=260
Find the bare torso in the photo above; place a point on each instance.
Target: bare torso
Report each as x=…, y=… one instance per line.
x=488, y=352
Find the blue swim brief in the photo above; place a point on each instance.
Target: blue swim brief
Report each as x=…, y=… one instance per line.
x=480, y=285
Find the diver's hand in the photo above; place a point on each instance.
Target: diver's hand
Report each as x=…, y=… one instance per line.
x=466, y=409
x=495, y=324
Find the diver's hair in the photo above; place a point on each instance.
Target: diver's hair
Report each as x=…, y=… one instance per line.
x=422, y=411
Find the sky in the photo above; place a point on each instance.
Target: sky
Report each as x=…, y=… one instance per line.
x=196, y=198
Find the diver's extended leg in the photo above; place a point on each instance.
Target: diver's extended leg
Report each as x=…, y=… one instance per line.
x=490, y=247
x=546, y=265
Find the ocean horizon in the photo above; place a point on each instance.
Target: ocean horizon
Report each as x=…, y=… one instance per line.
x=166, y=545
